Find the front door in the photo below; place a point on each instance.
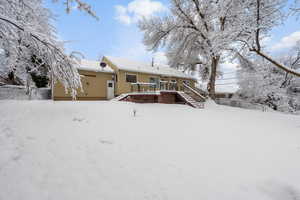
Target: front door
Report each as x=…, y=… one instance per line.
x=110, y=89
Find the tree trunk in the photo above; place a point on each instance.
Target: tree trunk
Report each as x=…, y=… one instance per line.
x=212, y=78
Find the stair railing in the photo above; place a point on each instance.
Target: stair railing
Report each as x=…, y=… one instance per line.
x=194, y=91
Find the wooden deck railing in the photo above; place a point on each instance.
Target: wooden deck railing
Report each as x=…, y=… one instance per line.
x=194, y=93
x=144, y=87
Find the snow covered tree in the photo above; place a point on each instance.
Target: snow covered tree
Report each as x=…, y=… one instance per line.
x=199, y=32
x=262, y=78
x=26, y=32
x=28, y=43
x=295, y=8
x=262, y=82
x=257, y=20
x=80, y=5
x=196, y=32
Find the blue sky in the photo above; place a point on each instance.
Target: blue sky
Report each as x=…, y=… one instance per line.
x=116, y=32
x=109, y=35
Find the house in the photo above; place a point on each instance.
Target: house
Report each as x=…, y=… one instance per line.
x=116, y=76
x=95, y=81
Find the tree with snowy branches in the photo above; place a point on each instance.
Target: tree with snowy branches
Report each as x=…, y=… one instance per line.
x=199, y=32
x=28, y=43
x=195, y=32
x=262, y=82
x=259, y=18
x=295, y=9
x=80, y=5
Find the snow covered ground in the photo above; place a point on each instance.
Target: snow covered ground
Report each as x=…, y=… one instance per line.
x=98, y=150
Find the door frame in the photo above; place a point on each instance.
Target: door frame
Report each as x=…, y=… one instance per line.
x=108, y=89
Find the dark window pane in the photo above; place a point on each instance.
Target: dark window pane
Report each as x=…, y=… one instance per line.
x=154, y=80
x=130, y=78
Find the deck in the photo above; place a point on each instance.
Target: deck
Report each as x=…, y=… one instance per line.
x=162, y=96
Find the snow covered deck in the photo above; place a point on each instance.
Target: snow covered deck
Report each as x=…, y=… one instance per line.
x=152, y=87
x=161, y=96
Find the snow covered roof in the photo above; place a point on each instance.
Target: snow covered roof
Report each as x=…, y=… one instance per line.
x=159, y=69
x=91, y=65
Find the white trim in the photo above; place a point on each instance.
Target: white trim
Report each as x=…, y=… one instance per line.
x=96, y=71
x=110, y=91
x=143, y=83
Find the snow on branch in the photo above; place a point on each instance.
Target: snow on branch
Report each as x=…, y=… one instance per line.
x=80, y=5
x=277, y=64
x=29, y=43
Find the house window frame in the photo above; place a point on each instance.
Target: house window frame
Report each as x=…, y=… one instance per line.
x=157, y=82
x=163, y=83
x=136, y=77
x=173, y=84
x=110, y=85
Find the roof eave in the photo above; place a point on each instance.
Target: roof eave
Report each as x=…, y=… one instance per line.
x=96, y=71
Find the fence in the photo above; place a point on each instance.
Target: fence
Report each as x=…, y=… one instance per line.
x=19, y=93
x=241, y=104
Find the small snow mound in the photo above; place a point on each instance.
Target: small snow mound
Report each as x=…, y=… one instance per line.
x=210, y=104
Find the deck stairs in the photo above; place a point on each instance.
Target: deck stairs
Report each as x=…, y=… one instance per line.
x=191, y=101
x=120, y=97
x=194, y=93
x=189, y=95
x=202, y=92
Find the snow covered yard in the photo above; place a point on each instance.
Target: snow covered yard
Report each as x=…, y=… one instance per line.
x=98, y=150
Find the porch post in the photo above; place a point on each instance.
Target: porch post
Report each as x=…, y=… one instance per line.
x=139, y=87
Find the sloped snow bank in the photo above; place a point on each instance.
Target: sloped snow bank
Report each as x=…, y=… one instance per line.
x=98, y=150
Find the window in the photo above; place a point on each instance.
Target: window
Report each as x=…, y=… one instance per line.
x=131, y=78
x=110, y=85
x=173, y=85
x=154, y=80
x=163, y=84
